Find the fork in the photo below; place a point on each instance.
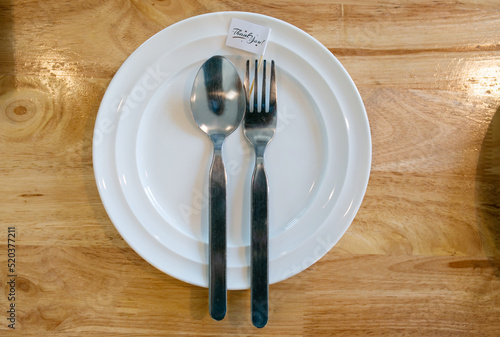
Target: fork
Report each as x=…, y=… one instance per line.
x=259, y=126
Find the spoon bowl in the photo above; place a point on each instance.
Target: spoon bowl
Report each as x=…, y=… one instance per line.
x=218, y=97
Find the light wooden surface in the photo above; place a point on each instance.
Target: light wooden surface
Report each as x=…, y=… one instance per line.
x=420, y=259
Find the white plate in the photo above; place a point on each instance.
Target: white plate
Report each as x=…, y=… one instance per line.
x=151, y=161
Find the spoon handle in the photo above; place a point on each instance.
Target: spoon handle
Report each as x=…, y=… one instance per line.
x=259, y=245
x=217, y=237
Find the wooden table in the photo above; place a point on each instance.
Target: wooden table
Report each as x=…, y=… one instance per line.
x=420, y=259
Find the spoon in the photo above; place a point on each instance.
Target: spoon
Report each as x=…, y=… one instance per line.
x=218, y=106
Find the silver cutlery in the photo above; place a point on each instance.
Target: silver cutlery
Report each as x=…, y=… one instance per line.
x=218, y=106
x=259, y=126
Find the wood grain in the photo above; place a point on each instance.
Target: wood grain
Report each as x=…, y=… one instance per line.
x=422, y=257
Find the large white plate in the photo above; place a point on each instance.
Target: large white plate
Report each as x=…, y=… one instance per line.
x=151, y=161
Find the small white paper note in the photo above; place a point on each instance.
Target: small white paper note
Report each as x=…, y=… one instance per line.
x=248, y=36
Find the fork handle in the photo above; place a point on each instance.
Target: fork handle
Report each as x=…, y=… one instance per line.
x=217, y=237
x=259, y=245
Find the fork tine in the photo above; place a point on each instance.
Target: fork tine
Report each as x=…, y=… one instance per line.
x=246, y=84
x=263, y=98
x=272, y=94
x=255, y=87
